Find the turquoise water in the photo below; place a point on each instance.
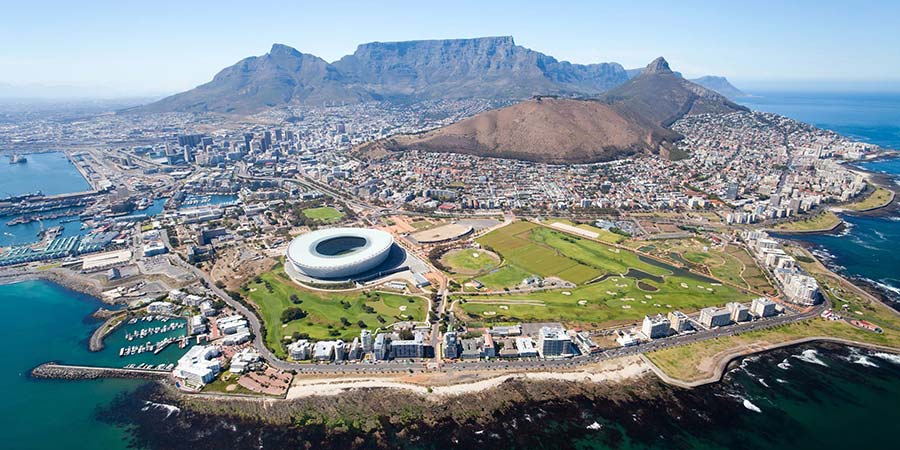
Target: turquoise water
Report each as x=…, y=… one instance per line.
x=46, y=322
x=50, y=173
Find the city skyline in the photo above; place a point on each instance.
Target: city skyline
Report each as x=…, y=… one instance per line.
x=110, y=49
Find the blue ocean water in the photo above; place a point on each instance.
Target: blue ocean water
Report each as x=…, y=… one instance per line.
x=50, y=173
x=868, y=117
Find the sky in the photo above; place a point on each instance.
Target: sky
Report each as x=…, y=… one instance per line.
x=125, y=48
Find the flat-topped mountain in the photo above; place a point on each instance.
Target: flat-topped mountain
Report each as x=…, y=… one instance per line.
x=629, y=119
x=490, y=67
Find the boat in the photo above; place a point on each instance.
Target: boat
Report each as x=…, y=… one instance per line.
x=17, y=159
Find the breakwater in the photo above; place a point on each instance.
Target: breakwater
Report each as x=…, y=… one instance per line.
x=51, y=370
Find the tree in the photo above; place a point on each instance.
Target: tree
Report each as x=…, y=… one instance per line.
x=295, y=299
x=291, y=314
x=406, y=334
x=361, y=324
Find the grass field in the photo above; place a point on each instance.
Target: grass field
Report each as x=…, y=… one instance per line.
x=825, y=220
x=468, y=261
x=272, y=295
x=325, y=214
x=603, y=235
x=881, y=197
x=528, y=248
x=697, y=361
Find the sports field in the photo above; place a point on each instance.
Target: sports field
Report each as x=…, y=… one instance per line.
x=470, y=261
x=271, y=293
x=632, y=288
x=325, y=214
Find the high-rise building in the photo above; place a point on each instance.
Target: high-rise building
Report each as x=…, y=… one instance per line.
x=553, y=342
x=656, y=327
x=679, y=321
x=451, y=345
x=365, y=338
x=714, y=317
x=739, y=312
x=382, y=346
x=762, y=307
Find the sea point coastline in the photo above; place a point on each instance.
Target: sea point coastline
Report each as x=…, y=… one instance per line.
x=450, y=243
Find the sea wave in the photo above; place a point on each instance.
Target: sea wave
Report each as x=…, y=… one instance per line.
x=781, y=381
x=170, y=409
x=749, y=405
x=784, y=365
x=811, y=356
x=762, y=381
x=888, y=357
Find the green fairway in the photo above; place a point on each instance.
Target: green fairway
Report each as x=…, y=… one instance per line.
x=324, y=214
x=650, y=287
x=470, y=261
x=508, y=276
x=272, y=295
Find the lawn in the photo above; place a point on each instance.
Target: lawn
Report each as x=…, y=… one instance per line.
x=615, y=300
x=881, y=197
x=528, y=248
x=550, y=253
x=507, y=276
x=325, y=214
x=469, y=261
x=271, y=293
x=697, y=361
x=825, y=220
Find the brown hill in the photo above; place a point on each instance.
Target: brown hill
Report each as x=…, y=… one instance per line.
x=548, y=130
x=631, y=118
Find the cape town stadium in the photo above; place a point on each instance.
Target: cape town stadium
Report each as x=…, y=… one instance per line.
x=337, y=253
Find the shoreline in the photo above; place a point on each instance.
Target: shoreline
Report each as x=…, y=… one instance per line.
x=722, y=364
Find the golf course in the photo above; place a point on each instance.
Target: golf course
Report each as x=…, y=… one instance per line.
x=613, y=284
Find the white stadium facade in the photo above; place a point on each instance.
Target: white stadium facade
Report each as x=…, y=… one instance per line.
x=339, y=253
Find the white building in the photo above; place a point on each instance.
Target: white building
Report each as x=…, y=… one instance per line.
x=713, y=317
x=679, y=321
x=160, y=308
x=739, y=312
x=762, y=307
x=236, y=339
x=241, y=360
x=199, y=365
x=553, y=342
x=300, y=350
x=525, y=347
x=656, y=327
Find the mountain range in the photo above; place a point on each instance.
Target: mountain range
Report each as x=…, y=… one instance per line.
x=490, y=67
x=628, y=119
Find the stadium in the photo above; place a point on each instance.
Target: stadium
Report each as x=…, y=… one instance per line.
x=339, y=253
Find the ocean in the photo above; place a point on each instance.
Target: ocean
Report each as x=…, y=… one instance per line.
x=824, y=397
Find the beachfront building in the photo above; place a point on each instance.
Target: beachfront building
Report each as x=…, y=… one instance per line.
x=739, y=312
x=553, y=342
x=409, y=348
x=679, y=321
x=762, y=307
x=714, y=317
x=300, y=350
x=198, y=366
x=451, y=345
x=656, y=327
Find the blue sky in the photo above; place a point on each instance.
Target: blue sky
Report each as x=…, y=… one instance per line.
x=166, y=46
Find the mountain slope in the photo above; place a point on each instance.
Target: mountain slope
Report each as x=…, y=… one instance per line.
x=281, y=76
x=662, y=96
x=547, y=130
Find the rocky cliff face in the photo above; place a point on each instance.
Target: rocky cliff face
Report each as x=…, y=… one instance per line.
x=493, y=67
